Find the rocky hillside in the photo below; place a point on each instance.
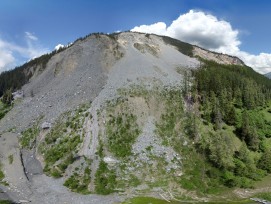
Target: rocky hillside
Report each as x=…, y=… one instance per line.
x=111, y=114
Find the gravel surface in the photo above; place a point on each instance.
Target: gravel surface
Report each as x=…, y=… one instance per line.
x=148, y=139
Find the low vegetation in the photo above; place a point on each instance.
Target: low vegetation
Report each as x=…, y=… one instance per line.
x=61, y=144
x=5, y=202
x=10, y=159
x=2, y=176
x=169, y=126
x=185, y=48
x=4, y=109
x=28, y=138
x=140, y=200
x=79, y=181
x=105, y=179
x=143, y=48
x=265, y=196
x=122, y=131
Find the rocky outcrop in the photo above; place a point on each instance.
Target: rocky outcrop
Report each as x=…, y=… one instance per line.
x=18, y=94
x=46, y=125
x=217, y=57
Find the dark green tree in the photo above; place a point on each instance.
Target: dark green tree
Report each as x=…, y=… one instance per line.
x=7, y=97
x=221, y=152
x=230, y=115
x=253, y=139
x=265, y=161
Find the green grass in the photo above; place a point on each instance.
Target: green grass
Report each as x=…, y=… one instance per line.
x=4, y=109
x=149, y=200
x=265, y=196
x=122, y=132
x=2, y=177
x=169, y=126
x=105, y=179
x=267, y=112
x=79, y=182
x=62, y=142
x=10, y=159
x=266, y=182
x=59, y=151
x=5, y=202
x=29, y=136
x=66, y=162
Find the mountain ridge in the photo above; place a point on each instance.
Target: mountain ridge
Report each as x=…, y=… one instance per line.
x=268, y=75
x=23, y=73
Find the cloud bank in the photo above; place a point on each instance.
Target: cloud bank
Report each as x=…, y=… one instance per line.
x=207, y=31
x=10, y=52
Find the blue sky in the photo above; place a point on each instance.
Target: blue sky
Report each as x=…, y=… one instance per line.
x=29, y=28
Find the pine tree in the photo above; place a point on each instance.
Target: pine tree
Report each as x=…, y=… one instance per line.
x=264, y=163
x=230, y=115
x=245, y=128
x=253, y=139
x=7, y=97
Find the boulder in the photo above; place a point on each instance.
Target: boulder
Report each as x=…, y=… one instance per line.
x=46, y=125
x=110, y=160
x=18, y=94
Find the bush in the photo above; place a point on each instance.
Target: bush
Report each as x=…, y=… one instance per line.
x=29, y=136
x=122, y=132
x=79, y=182
x=55, y=173
x=265, y=196
x=105, y=179
x=264, y=162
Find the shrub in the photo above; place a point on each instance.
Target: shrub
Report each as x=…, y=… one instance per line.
x=264, y=162
x=122, y=132
x=79, y=182
x=105, y=179
x=10, y=159
x=29, y=136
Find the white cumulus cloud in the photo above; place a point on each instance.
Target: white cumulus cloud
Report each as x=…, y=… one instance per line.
x=206, y=30
x=159, y=28
x=59, y=46
x=5, y=58
x=10, y=51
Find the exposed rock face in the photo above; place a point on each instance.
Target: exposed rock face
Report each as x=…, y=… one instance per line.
x=18, y=94
x=217, y=57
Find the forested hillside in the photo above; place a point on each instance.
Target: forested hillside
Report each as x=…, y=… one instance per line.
x=230, y=125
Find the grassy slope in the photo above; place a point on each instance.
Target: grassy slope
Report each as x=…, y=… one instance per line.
x=148, y=200
x=4, y=109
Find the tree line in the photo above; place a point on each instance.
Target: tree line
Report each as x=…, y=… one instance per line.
x=233, y=96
